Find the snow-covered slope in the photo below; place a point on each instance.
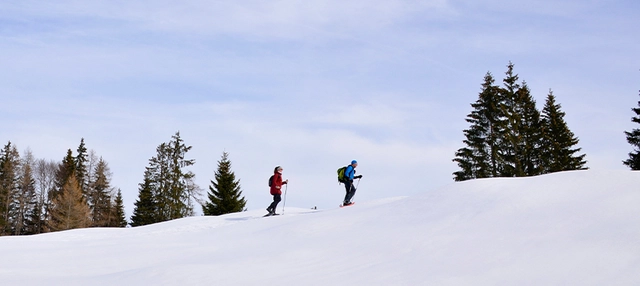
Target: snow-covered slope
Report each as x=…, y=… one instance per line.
x=572, y=228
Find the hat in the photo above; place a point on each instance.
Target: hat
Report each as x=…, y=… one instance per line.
x=354, y=162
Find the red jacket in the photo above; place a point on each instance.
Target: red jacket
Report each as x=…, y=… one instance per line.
x=276, y=185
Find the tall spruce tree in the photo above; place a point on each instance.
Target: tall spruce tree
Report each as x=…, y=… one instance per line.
x=480, y=157
x=82, y=174
x=119, y=217
x=531, y=131
x=24, y=203
x=225, y=195
x=176, y=185
x=145, y=207
x=171, y=188
x=633, y=138
x=99, y=195
x=559, y=141
x=521, y=144
x=9, y=168
x=511, y=142
x=64, y=172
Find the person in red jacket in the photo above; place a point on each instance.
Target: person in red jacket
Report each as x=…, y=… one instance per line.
x=276, y=189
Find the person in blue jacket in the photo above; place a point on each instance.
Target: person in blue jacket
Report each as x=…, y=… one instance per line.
x=350, y=174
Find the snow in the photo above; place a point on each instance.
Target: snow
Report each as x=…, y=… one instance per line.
x=570, y=228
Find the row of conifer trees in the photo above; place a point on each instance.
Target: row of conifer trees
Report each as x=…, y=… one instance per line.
x=38, y=196
x=509, y=137
x=168, y=190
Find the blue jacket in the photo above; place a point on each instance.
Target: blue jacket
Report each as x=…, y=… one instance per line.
x=349, y=173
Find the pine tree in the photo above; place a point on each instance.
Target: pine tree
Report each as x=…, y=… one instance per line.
x=82, y=174
x=176, y=187
x=225, y=195
x=9, y=166
x=521, y=144
x=168, y=190
x=119, y=217
x=633, y=138
x=511, y=142
x=531, y=131
x=480, y=158
x=24, y=203
x=99, y=195
x=70, y=209
x=65, y=169
x=36, y=222
x=508, y=135
x=145, y=207
x=559, y=140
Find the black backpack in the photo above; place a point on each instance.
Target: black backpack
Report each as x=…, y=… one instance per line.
x=271, y=181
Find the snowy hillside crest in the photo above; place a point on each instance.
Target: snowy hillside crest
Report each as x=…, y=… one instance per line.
x=569, y=228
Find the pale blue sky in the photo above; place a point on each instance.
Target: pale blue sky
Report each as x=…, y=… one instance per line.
x=308, y=85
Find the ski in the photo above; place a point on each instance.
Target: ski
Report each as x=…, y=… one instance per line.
x=269, y=215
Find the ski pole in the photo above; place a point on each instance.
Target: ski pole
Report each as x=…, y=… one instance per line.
x=284, y=202
x=358, y=183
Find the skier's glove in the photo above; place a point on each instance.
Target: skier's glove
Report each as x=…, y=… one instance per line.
x=358, y=177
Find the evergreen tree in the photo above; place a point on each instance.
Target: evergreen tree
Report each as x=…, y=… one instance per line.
x=70, y=209
x=64, y=172
x=119, y=218
x=480, y=158
x=24, y=202
x=559, y=140
x=175, y=186
x=145, y=207
x=36, y=222
x=99, y=195
x=521, y=144
x=508, y=135
x=531, y=131
x=511, y=142
x=633, y=138
x=82, y=174
x=9, y=165
x=171, y=188
x=225, y=195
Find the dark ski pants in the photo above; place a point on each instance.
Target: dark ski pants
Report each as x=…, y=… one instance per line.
x=276, y=200
x=351, y=191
